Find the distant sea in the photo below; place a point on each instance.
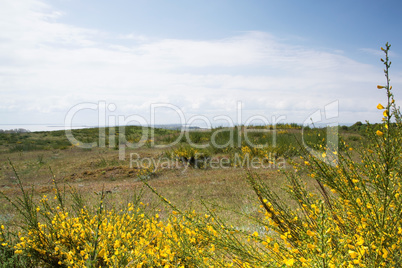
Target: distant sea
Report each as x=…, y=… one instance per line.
x=39, y=127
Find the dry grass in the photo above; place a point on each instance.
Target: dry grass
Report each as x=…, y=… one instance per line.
x=90, y=171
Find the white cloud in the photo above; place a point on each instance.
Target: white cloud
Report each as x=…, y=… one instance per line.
x=135, y=37
x=47, y=67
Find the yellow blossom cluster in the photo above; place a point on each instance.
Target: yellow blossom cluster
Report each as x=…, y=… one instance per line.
x=120, y=239
x=352, y=232
x=191, y=156
x=146, y=171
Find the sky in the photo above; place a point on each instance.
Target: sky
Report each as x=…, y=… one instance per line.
x=195, y=62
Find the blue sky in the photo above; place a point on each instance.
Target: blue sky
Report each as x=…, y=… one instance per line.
x=280, y=59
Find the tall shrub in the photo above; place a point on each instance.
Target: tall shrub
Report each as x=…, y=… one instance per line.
x=355, y=219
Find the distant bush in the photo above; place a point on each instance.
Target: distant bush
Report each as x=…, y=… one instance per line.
x=190, y=156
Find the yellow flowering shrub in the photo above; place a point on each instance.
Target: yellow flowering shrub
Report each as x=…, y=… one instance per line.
x=247, y=153
x=356, y=220
x=190, y=156
x=125, y=238
x=147, y=171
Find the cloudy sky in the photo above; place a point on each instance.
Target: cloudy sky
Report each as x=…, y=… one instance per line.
x=279, y=59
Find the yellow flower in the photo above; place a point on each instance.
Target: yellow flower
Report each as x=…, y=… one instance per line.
x=380, y=87
x=310, y=233
x=311, y=246
x=379, y=133
x=353, y=254
x=289, y=262
x=385, y=253
x=385, y=113
x=380, y=107
x=360, y=241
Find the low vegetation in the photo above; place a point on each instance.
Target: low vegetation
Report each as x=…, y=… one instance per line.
x=189, y=205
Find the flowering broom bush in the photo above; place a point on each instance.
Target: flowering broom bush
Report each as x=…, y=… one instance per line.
x=355, y=220
x=190, y=156
x=54, y=236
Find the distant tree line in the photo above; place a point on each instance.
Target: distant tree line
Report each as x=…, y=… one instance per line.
x=16, y=130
